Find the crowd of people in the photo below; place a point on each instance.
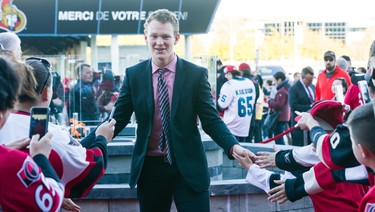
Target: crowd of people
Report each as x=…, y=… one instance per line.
x=92, y=95
x=331, y=123
x=41, y=175
x=278, y=100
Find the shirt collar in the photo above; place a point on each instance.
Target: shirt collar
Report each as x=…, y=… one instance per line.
x=171, y=66
x=20, y=112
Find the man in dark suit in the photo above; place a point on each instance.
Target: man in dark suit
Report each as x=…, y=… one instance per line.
x=169, y=159
x=82, y=98
x=301, y=96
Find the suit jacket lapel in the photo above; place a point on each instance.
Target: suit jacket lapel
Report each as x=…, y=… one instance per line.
x=149, y=94
x=178, y=86
x=303, y=89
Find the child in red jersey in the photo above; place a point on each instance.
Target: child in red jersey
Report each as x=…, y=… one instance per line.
x=361, y=124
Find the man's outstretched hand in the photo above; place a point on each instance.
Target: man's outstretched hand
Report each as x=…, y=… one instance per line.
x=239, y=150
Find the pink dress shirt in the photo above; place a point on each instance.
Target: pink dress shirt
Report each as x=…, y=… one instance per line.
x=169, y=76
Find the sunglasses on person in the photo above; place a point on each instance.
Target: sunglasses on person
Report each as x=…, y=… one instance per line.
x=46, y=64
x=328, y=59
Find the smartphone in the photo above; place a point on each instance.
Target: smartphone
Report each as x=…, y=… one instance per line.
x=339, y=93
x=111, y=114
x=39, y=118
x=363, y=88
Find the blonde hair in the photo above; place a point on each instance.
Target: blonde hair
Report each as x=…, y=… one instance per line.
x=29, y=85
x=163, y=16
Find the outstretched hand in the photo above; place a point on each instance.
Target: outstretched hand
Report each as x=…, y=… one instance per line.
x=267, y=159
x=278, y=193
x=239, y=150
x=244, y=160
x=106, y=129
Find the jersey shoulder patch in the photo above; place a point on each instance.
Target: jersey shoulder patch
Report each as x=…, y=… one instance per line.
x=29, y=172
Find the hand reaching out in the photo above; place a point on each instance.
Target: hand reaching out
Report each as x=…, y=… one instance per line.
x=239, y=150
x=267, y=159
x=106, y=129
x=278, y=193
x=244, y=160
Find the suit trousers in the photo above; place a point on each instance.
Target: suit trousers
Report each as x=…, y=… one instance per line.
x=300, y=137
x=280, y=128
x=159, y=182
x=297, y=137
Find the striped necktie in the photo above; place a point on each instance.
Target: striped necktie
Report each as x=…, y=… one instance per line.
x=165, y=116
x=310, y=95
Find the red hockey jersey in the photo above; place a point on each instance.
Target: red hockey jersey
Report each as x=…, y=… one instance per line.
x=368, y=202
x=23, y=185
x=78, y=165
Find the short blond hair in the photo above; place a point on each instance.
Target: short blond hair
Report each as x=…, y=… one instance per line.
x=163, y=16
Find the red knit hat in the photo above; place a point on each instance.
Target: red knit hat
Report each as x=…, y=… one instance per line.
x=331, y=112
x=244, y=67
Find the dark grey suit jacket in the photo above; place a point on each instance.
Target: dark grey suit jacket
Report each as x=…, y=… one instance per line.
x=299, y=99
x=191, y=98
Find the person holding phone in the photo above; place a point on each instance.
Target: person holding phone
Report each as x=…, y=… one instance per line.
x=79, y=165
x=39, y=117
x=339, y=88
x=25, y=180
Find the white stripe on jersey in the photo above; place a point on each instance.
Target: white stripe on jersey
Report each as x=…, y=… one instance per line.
x=305, y=156
x=237, y=97
x=356, y=173
x=311, y=183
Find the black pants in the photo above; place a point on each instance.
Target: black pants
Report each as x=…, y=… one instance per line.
x=280, y=128
x=297, y=137
x=160, y=182
x=258, y=131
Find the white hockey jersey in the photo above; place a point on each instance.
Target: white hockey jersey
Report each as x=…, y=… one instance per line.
x=79, y=168
x=237, y=99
